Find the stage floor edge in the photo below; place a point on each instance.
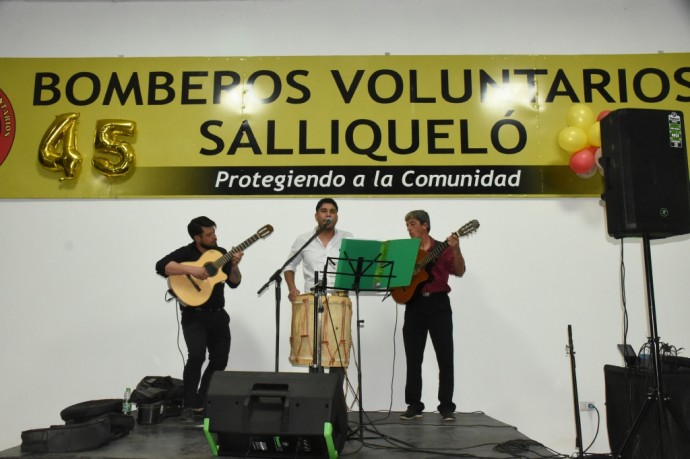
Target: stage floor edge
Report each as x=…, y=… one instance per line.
x=378, y=435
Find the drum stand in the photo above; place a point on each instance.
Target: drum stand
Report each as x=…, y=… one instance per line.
x=319, y=294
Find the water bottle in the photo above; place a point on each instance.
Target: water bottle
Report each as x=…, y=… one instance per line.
x=645, y=358
x=126, y=402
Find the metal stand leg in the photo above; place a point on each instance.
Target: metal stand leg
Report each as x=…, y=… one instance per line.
x=655, y=395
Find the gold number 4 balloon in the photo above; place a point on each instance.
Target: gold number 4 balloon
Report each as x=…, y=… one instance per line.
x=58, y=149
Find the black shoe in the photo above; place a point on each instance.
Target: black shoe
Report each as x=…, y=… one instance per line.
x=187, y=415
x=447, y=415
x=192, y=414
x=411, y=413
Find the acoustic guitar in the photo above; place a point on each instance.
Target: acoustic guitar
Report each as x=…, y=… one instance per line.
x=402, y=295
x=194, y=292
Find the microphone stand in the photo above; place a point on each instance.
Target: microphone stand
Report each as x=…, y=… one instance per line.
x=277, y=279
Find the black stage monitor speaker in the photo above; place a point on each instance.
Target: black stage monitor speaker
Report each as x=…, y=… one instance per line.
x=646, y=186
x=258, y=414
x=665, y=437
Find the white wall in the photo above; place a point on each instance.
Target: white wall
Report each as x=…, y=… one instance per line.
x=83, y=313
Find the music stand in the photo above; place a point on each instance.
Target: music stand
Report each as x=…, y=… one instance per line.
x=359, y=268
x=402, y=253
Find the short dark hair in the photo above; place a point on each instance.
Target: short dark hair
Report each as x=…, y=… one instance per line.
x=323, y=201
x=420, y=215
x=197, y=225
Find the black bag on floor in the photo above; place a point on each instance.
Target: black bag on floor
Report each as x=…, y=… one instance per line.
x=89, y=425
x=158, y=397
x=156, y=388
x=85, y=411
x=153, y=413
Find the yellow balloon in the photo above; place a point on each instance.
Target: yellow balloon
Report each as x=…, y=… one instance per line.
x=594, y=134
x=572, y=139
x=109, y=143
x=580, y=115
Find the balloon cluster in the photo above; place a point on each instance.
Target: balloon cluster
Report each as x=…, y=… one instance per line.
x=582, y=139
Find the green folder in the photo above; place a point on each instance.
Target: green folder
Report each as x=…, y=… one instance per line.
x=381, y=265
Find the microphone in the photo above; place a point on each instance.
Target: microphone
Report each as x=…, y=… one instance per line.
x=327, y=223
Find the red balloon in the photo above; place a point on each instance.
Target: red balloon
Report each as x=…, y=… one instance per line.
x=603, y=114
x=582, y=162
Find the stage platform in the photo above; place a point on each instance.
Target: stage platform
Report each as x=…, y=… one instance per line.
x=471, y=435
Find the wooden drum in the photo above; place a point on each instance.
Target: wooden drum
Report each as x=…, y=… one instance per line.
x=335, y=327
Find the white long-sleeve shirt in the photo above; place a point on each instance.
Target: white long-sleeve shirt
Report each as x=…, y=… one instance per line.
x=314, y=257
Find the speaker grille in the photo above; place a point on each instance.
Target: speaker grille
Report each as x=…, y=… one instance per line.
x=646, y=186
x=259, y=414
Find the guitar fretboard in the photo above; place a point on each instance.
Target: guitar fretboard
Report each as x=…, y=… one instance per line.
x=219, y=263
x=435, y=252
x=467, y=229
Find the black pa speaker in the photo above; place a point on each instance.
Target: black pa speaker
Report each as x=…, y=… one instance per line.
x=260, y=414
x=646, y=185
x=661, y=428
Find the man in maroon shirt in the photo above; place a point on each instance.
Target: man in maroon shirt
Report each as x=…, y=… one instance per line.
x=428, y=312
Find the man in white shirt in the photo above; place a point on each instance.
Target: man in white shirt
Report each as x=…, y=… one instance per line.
x=315, y=255
x=335, y=342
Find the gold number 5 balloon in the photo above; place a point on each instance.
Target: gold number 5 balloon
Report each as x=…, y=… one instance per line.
x=108, y=142
x=58, y=148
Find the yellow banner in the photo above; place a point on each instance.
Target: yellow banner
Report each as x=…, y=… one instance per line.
x=298, y=126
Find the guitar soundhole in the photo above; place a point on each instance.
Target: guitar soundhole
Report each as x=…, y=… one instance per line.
x=210, y=269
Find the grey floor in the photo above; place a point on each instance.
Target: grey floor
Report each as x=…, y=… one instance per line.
x=378, y=435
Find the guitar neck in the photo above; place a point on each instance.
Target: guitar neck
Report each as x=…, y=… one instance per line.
x=439, y=247
x=219, y=263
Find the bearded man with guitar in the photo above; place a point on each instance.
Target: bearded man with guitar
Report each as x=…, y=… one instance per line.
x=428, y=312
x=205, y=325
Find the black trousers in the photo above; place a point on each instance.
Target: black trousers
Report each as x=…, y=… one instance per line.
x=430, y=316
x=204, y=330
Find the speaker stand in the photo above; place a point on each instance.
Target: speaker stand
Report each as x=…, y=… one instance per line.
x=655, y=395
